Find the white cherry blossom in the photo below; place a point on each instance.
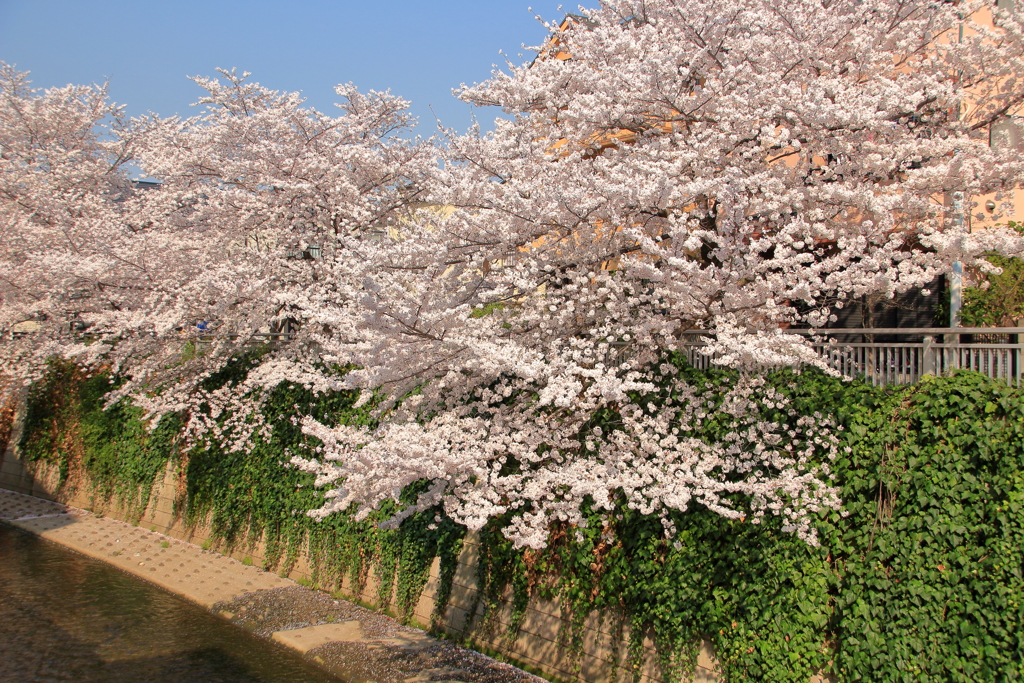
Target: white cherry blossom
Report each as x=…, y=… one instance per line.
x=735, y=167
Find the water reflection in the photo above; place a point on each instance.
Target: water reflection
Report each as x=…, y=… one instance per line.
x=66, y=617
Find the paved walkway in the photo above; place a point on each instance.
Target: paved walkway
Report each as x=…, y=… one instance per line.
x=347, y=640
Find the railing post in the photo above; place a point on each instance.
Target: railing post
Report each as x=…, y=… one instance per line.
x=952, y=354
x=928, y=360
x=1015, y=359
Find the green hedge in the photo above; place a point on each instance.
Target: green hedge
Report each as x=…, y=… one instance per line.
x=921, y=577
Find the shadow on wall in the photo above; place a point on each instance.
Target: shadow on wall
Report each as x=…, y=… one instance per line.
x=44, y=480
x=15, y=474
x=7, y=411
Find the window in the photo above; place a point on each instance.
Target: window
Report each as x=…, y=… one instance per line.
x=1007, y=133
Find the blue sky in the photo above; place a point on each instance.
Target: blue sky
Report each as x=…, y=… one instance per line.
x=419, y=49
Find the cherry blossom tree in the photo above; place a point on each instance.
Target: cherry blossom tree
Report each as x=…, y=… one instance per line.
x=249, y=191
x=670, y=166
x=269, y=205
x=62, y=183
x=515, y=302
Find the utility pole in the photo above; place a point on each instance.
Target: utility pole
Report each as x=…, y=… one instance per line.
x=956, y=277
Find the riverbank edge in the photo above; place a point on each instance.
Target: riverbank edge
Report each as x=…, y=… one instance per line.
x=537, y=645
x=218, y=583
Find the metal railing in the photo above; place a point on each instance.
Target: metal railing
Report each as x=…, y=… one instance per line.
x=257, y=339
x=938, y=351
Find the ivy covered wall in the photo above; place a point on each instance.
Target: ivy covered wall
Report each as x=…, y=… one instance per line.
x=920, y=578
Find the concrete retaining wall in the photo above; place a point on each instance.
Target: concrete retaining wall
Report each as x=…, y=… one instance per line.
x=538, y=645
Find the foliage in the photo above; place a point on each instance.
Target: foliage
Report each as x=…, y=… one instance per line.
x=245, y=193
x=998, y=300
x=66, y=422
x=918, y=579
x=671, y=166
x=244, y=497
x=931, y=556
x=7, y=411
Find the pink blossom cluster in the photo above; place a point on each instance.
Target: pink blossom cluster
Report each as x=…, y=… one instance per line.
x=736, y=166
x=651, y=455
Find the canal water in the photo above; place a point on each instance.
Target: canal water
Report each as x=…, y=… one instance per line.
x=66, y=617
